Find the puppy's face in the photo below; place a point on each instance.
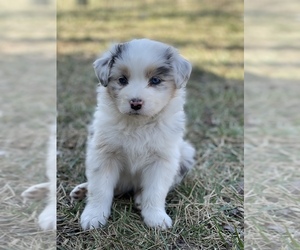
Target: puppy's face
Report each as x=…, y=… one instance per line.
x=141, y=76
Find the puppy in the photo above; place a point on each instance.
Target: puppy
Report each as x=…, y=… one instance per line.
x=47, y=190
x=136, y=138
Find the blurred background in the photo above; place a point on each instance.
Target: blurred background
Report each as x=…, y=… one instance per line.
x=207, y=209
x=27, y=110
x=272, y=119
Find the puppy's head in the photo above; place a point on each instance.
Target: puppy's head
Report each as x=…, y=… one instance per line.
x=141, y=76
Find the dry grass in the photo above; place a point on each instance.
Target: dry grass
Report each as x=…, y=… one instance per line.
x=207, y=209
x=272, y=122
x=272, y=160
x=27, y=107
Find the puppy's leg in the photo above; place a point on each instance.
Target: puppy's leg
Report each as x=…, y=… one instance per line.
x=156, y=182
x=47, y=219
x=102, y=179
x=79, y=192
x=37, y=192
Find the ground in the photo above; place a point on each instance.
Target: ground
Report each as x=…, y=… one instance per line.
x=27, y=110
x=272, y=120
x=207, y=209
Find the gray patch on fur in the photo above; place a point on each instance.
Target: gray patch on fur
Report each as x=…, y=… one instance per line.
x=183, y=170
x=168, y=54
x=185, y=166
x=163, y=71
x=116, y=54
x=104, y=65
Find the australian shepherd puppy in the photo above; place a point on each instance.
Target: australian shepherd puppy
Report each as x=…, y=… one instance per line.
x=136, y=138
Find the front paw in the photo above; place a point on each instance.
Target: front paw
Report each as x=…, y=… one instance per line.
x=93, y=217
x=47, y=219
x=156, y=218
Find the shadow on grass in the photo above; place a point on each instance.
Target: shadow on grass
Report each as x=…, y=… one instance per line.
x=214, y=105
x=174, y=42
x=215, y=111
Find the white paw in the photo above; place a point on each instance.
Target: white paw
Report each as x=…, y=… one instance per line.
x=79, y=192
x=93, y=217
x=37, y=192
x=47, y=219
x=156, y=218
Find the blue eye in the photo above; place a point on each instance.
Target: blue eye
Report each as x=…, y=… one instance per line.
x=155, y=81
x=123, y=80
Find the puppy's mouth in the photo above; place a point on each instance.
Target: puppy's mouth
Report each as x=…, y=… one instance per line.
x=134, y=113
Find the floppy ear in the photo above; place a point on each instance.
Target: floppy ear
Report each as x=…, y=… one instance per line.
x=182, y=69
x=103, y=65
x=102, y=68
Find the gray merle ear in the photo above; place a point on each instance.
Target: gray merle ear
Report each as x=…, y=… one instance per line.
x=103, y=65
x=182, y=70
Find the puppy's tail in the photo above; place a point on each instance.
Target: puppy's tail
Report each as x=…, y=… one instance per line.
x=187, y=161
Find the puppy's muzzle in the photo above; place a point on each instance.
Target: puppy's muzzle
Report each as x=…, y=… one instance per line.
x=136, y=104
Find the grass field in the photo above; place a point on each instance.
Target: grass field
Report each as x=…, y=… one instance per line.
x=27, y=108
x=207, y=208
x=272, y=131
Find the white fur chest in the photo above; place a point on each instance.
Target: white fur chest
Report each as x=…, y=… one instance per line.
x=139, y=141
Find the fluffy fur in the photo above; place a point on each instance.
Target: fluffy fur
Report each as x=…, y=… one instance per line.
x=136, y=138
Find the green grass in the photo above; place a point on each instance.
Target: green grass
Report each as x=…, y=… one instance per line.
x=207, y=208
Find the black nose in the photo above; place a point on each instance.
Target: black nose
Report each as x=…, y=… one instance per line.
x=136, y=104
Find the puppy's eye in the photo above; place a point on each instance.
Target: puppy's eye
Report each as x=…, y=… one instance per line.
x=155, y=81
x=123, y=80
